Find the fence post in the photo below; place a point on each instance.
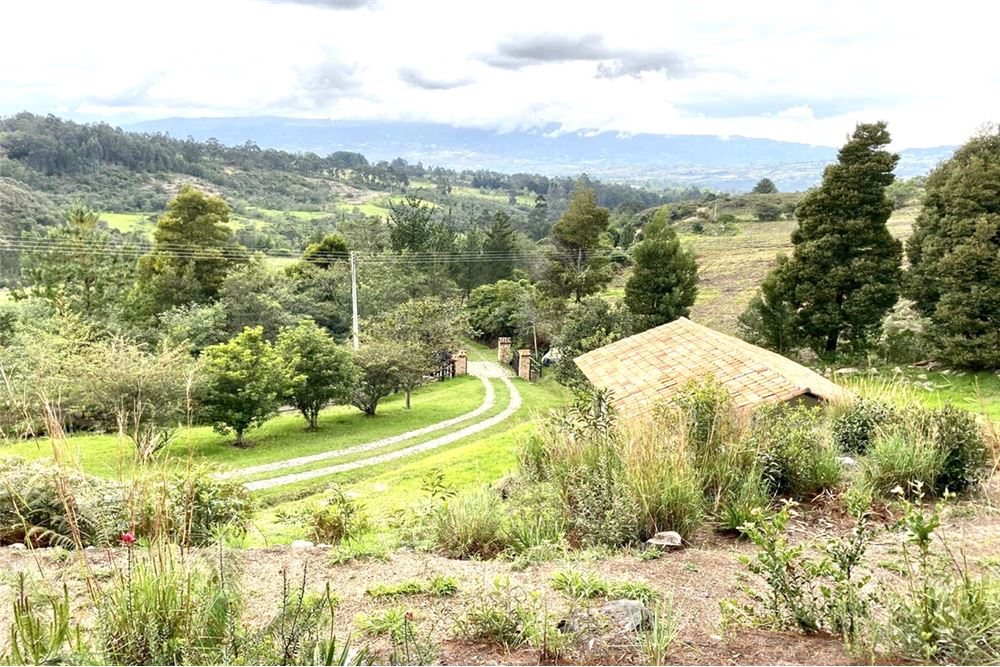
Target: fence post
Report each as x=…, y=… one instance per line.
x=461, y=361
x=524, y=364
x=503, y=350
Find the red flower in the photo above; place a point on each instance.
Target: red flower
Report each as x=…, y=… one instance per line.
x=128, y=539
x=409, y=616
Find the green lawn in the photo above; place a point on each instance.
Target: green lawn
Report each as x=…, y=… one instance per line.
x=366, y=209
x=280, y=438
x=973, y=391
x=298, y=215
x=478, y=351
x=128, y=222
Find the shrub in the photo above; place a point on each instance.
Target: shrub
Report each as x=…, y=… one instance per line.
x=896, y=461
x=856, y=427
x=503, y=615
x=578, y=585
x=437, y=586
x=469, y=525
x=744, y=501
x=48, y=505
x=963, y=448
x=202, y=507
x=366, y=546
x=794, y=459
x=335, y=517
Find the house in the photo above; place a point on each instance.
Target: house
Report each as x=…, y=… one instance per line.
x=648, y=368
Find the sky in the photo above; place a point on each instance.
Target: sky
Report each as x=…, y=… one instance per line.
x=794, y=71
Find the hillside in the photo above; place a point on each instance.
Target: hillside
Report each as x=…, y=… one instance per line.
x=731, y=163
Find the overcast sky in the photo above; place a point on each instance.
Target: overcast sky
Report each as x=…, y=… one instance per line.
x=796, y=71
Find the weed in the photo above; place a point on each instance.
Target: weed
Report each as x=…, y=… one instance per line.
x=502, y=615
x=367, y=546
x=656, y=642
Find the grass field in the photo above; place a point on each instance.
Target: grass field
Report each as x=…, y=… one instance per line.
x=130, y=222
x=282, y=437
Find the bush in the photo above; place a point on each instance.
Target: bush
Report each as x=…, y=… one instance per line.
x=203, y=507
x=584, y=586
x=469, y=525
x=47, y=505
x=896, y=461
x=503, y=615
x=335, y=517
x=794, y=459
x=855, y=428
x=960, y=441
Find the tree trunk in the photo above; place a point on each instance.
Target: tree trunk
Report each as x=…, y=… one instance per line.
x=407, y=398
x=313, y=417
x=831, y=341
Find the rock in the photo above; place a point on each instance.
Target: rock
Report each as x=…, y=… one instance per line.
x=668, y=539
x=896, y=370
x=849, y=370
x=18, y=546
x=302, y=544
x=872, y=371
x=607, y=624
x=847, y=462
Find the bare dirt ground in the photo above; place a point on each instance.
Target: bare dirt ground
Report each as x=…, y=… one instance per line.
x=695, y=578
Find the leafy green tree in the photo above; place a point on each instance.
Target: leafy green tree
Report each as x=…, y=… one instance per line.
x=320, y=370
x=494, y=310
x=765, y=186
x=245, y=380
x=844, y=273
x=431, y=329
x=468, y=274
x=664, y=279
x=592, y=323
x=254, y=295
x=578, y=264
x=192, y=251
x=77, y=266
x=954, y=254
x=381, y=365
x=332, y=248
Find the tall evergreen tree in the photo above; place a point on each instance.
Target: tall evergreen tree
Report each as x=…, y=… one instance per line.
x=411, y=225
x=844, y=272
x=498, y=248
x=765, y=186
x=664, y=280
x=954, y=254
x=192, y=251
x=78, y=266
x=578, y=263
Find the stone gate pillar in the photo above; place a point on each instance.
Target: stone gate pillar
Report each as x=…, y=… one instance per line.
x=503, y=350
x=461, y=361
x=524, y=364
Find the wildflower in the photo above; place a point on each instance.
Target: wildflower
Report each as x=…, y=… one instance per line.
x=128, y=539
x=409, y=616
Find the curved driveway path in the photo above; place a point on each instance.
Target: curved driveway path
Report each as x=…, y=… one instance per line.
x=482, y=370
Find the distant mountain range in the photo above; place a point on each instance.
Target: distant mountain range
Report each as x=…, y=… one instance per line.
x=733, y=163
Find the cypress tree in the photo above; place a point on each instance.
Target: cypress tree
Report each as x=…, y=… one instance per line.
x=664, y=280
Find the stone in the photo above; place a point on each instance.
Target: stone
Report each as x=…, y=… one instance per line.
x=667, y=539
x=607, y=624
x=847, y=462
x=625, y=615
x=302, y=544
x=849, y=370
x=18, y=546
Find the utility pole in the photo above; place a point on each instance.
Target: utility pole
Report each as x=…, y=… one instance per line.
x=354, y=301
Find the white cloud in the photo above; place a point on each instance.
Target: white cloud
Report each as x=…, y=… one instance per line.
x=785, y=70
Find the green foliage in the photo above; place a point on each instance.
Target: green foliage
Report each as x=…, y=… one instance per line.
x=844, y=272
x=245, y=381
x=411, y=225
x=812, y=594
x=503, y=615
x=765, y=186
x=578, y=585
x=42, y=637
x=954, y=254
x=767, y=211
x=321, y=371
x=663, y=282
x=578, y=265
x=469, y=525
x=192, y=251
x=438, y=586
x=382, y=368
x=78, y=267
x=590, y=324
x=895, y=461
x=335, y=517
x=364, y=547
x=200, y=508
x=332, y=248
x=256, y=295
x=656, y=642
x=857, y=426
x=793, y=456
x=769, y=320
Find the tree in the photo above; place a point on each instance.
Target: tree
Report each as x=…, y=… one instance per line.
x=255, y=295
x=664, y=280
x=245, y=379
x=410, y=225
x=143, y=395
x=320, y=371
x=765, y=186
x=331, y=249
x=767, y=211
x=430, y=328
x=381, y=365
x=192, y=251
x=77, y=266
x=498, y=248
x=592, y=323
x=494, y=309
x=769, y=319
x=578, y=263
x=844, y=272
x=954, y=254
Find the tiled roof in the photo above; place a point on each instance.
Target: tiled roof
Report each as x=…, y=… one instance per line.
x=650, y=367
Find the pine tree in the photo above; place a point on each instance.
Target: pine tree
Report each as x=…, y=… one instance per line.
x=578, y=265
x=498, y=247
x=954, y=254
x=765, y=186
x=664, y=280
x=844, y=272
